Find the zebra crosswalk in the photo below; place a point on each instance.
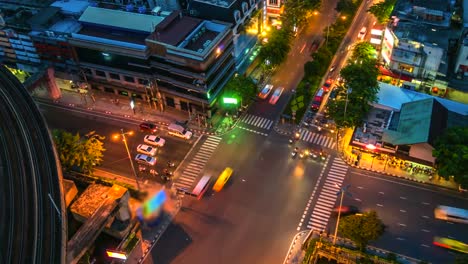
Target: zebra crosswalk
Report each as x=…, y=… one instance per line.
x=197, y=164
x=317, y=138
x=328, y=195
x=257, y=121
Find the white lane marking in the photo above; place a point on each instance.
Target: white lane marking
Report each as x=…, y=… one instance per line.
x=424, y=245
x=357, y=199
x=425, y=216
x=379, y=205
x=426, y=203
x=400, y=238
x=401, y=224
x=381, y=193
x=425, y=230
x=360, y=187
x=403, y=211
x=402, y=197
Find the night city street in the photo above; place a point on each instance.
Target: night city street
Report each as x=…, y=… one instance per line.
x=234, y=131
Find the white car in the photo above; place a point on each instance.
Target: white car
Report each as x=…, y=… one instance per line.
x=144, y=159
x=276, y=95
x=362, y=33
x=154, y=140
x=147, y=150
x=265, y=91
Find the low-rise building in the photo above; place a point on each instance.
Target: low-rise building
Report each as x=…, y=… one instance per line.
x=179, y=61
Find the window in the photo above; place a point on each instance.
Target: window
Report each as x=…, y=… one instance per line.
x=184, y=105
x=170, y=101
x=273, y=2
x=142, y=81
x=114, y=76
x=129, y=79
x=109, y=90
x=100, y=73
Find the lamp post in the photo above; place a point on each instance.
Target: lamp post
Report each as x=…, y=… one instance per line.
x=124, y=139
x=372, y=148
x=341, y=192
x=348, y=91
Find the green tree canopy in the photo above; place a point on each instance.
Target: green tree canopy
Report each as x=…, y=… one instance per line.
x=241, y=87
x=74, y=151
x=361, y=228
x=451, y=153
x=277, y=48
x=382, y=10
x=359, y=89
x=363, y=51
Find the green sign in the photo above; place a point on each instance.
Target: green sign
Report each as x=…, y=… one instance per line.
x=228, y=100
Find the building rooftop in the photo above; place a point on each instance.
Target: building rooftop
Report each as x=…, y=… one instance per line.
x=91, y=199
x=71, y=7
x=175, y=28
x=219, y=3
x=415, y=122
x=424, y=34
x=188, y=32
x=118, y=19
x=393, y=97
x=434, y=12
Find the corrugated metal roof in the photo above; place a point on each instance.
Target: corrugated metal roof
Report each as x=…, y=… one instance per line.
x=120, y=19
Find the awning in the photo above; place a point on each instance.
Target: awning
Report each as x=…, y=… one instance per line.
x=387, y=72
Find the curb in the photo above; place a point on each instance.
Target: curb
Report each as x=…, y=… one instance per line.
x=293, y=244
x=110, y=113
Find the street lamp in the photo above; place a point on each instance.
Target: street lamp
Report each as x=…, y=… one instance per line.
x=341, y=192
x=124, y=139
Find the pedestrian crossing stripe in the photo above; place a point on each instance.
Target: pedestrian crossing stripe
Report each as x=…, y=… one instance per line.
x=316, y=138
x=328, y=195
x=196, y=165
x=257, y=121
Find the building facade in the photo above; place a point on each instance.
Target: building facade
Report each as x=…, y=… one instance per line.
x=177, y=61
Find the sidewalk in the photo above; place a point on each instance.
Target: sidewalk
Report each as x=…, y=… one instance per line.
x=296, y=254
x=387, y=166
x=119, y=106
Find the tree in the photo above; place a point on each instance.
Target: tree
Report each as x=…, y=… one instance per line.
x=382, y=10
x=277, y=48
x=359, y=89
x=451, y=153
x=79, y=153
x=362, y=228
x=363, y=51
x=241, y=86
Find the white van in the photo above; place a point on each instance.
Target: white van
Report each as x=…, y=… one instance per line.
x=179, y=131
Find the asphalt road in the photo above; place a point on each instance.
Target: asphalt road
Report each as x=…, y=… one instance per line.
x=253, y=219
x=30, y=224
x=115, y=156
x=407, y=210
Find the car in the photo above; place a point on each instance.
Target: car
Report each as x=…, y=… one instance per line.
x=145, y=159
x=147, y=150
x=154, y=140
x=332, y=68
x=148, y=127
x=327, y=85
x=345, y=210
x=276, y=95
x=265, y=91
x=362, y=33
x=333, y=94
x=450, y=244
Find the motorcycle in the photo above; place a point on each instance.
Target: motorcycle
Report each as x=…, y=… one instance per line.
x=170, y=164
x=295, y=151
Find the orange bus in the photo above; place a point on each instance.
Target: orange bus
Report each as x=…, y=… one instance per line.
x=222, y=179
